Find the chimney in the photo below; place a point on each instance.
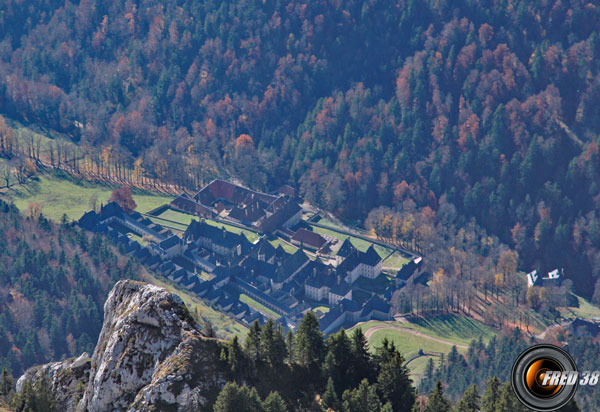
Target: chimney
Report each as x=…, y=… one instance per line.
x=339, y=280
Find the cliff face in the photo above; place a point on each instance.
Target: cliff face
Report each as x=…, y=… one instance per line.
x=150, y=356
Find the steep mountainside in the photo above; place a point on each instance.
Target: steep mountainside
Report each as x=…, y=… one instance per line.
x=54, y=279
x=149, y=357
x=489, y=107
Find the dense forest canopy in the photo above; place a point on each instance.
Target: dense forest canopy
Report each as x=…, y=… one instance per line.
x=54, y=279
x=488, y=105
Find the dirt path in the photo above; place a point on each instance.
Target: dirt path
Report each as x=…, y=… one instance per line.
x=369, y=332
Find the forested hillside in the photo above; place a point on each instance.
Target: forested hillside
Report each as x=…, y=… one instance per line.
x=54, y=279
x=491, y=106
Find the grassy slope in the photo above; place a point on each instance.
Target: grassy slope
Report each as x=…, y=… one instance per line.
x=586, y=310
x=59, y=194
x=409, y=344
x=452, y=328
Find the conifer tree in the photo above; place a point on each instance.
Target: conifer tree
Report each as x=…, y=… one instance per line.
x=508, y=402
x=238, y=398
x=492, y=395
x=6, y=383
x=470, y=400
x=361, y=365
x=393, y=381
x=437, y=402
x=330, y=399
x=289, y=343
x=253, y=347
x=274, y=403
x=310, y=348
x=362, y=399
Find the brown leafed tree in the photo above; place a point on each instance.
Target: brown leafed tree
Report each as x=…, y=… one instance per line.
x=123, y=197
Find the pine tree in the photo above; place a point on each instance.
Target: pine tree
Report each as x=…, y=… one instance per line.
x=330, y=399
x=253, y=347
x=236, y=357
x=470, y=400
x=289, y=343
x=361, y=364
x=6, y=383
x=338, y=360
x=393, y=381
x=238, y=398
x=362, y=399
x=274, y=403
x=437, y=402
x=310, y=348
x=508, y=402
x=492, y=395
x=387, y=408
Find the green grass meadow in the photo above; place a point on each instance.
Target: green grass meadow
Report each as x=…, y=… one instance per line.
x=59, y=194
x=455, y=329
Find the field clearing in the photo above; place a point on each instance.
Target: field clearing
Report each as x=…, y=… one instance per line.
x=435, y=335
x=59, y=194
x=586, y=310
x=418, y=367
x=453, y=328
x=261, y=308
x=225, y=327
x=408, y=344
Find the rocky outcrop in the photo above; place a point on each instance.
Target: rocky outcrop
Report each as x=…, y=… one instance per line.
x=150, y=356
x=67, y=379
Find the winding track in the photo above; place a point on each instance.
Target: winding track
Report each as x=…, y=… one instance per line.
x=369, y=332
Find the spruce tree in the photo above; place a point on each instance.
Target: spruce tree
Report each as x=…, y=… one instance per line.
x=362, y=399
x=6, y=383
x=253, y=347
x=289, y=344
x=393, y=381
x=330, y=399
x=238, y=398
x=274, y=403
x=310, y=348
x=437, y=402
x=470, y=400
x=361, y=363
x=492, y=395
x=508, y=402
